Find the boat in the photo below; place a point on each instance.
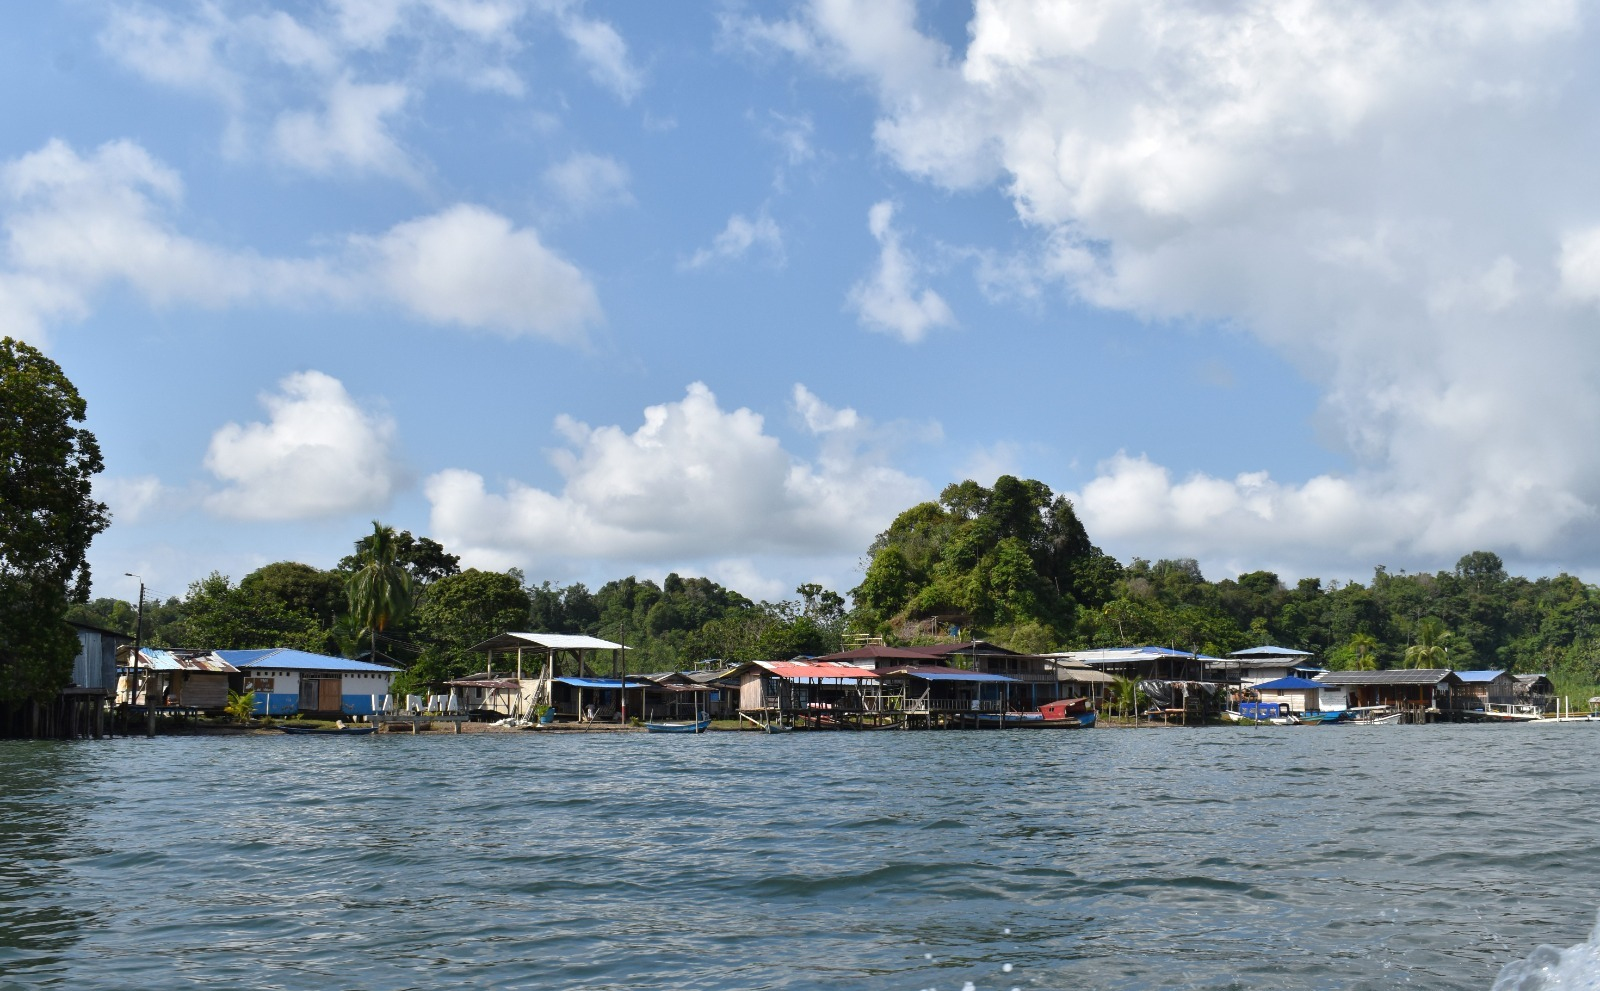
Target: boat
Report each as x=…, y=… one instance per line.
x=1064, y=714
x=1261, y=713
x=338, y=731
x=699, y=724
x=1322, y=718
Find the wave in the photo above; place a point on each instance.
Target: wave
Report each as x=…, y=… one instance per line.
x=1576, y=968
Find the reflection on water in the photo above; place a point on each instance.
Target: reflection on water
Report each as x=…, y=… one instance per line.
x=1327, y=857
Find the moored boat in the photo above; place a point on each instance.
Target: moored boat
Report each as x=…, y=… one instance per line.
x=699, y=724
x=1064, y=714
x=338, y=731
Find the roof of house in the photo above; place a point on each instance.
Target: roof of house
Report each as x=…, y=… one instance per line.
x=1479, y=676
x=546, y=641
x=157, y=659
x=1289, y=684
x=1125, y=655
x=936, y=672
x=1269, y=651
x=970, y=647
x=874, y=651
x=1397, y=676
x=299, y=660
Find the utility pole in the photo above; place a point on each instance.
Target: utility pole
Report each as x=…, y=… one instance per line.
x=138, y=645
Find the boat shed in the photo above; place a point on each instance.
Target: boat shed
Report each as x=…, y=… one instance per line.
x=287, y=681
x=1409, y=689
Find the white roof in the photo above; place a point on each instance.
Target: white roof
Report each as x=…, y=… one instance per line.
x=549, y=641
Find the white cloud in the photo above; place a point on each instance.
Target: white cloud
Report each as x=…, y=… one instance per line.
x=76, y=225
x=737, y=238
x=349, y=135
x=889, y=301
x=130, y=497
x=180, y=53
x=585, y=182
x=602, y=49
x=1395, y=198
x=320, y=454
x=693, y=481
x=470, y=266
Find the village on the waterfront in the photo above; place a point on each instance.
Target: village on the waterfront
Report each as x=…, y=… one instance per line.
x=554, y=682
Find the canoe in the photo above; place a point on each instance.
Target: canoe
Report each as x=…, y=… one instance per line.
x=312, y=731
x=1065, y=714
x=680, y=726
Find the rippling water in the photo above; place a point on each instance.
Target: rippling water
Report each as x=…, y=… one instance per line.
x=1327, y=857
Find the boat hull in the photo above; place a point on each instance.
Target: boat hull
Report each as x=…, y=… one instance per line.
x=347, y=731
x=698, y=726
x=1033, y=720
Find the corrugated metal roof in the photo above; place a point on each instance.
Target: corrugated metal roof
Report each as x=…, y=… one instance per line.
x=978, y=647
x=792, y=670
x=931, y=672
x=547, y=641
x=874, y=652
x=1478, y=677
x=1289, y=684
x=611, y=683
x=1270, y=652
x=299, y=660
x=1398, y=676
x=157, y=659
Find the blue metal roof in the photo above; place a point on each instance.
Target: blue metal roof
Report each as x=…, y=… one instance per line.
x=299, y=660
x=1288, y=684
x=612, y=683
x=1478, y=676
x=930, y=674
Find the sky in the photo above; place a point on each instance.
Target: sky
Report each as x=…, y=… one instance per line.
x=594, y=289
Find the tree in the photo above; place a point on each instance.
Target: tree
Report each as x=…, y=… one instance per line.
x=1365, y=646
x=48, y=517
x=423, y=558
x=461, y=610
x=221, y=616
x=1427, y=652
x=380, y=590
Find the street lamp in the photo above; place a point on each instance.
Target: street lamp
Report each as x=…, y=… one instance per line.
x=138, y=641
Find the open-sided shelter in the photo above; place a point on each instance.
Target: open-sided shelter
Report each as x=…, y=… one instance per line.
x=561, y=669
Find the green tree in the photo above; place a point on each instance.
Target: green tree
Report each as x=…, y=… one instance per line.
x=218, y=615
x=1428, y=651
x=48, y=517
x=461, y=610
x=380, y=589
x=1365, y=646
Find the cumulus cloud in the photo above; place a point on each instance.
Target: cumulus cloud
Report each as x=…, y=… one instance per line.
x=693, y=481
x=349, y=134
x=470, y=266
x=738, y=237
x=130, y=497
x=77, y=224
x=319, y=454
x=1398, y=199
x=890, y=301
x=584, y=182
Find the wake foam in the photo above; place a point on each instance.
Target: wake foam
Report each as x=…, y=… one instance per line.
x=1576, y=968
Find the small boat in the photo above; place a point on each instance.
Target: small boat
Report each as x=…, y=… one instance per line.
x=1065, y=714
x=1262, y=713
x=339, y=731
x=699, y=724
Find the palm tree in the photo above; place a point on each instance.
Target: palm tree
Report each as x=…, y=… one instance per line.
x=1427, y=652
x=380, y=590
x=1126, y=693
x=1365, y=645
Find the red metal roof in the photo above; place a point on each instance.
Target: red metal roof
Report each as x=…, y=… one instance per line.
x=794, y=669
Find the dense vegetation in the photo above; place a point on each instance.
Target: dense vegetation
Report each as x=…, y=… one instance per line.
x=48, y=516
x=1011, y=563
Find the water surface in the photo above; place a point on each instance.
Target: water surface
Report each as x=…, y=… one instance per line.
x=1315, y=857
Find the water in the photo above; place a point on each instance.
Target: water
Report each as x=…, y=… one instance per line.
x=1328, y=857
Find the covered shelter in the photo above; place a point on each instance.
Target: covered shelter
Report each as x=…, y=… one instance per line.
x=487, y=695
x=935, y=690
x=813, y=690
x=536, y=659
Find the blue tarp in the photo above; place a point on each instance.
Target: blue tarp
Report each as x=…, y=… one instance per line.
x=299, y=660
x=1289, y=684
x=958, y=676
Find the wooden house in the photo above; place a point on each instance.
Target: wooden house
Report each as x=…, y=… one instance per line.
x=1487, y=689
x=287, y=681
x=180, y=679
x=1410, y=689
x=936, y=689
x=790, y=686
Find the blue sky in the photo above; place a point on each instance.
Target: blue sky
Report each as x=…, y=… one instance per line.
x=594, y=288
